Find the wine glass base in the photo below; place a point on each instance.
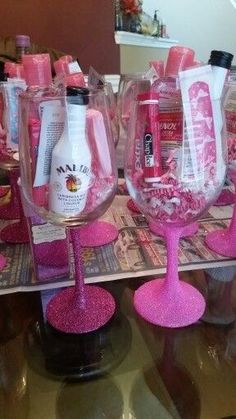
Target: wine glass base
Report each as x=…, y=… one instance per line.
x=187, y=231
x=226, y=198
x=52, y=254
x=154, y=303
x=98, y=233
x=9, y=212
x=3, y=262
x=64, y=315
x=132, y=206
x=15, y=233
x=222, y=242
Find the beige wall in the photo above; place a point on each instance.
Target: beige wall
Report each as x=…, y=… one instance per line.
x=135, y=59
x=200, y=24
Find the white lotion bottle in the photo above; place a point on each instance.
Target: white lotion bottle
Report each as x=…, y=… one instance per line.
x=220, y=62
x=71, y=159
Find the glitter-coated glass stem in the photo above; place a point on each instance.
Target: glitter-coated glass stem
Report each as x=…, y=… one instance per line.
x=170, y=302
x=173, y=235
x=80, y=293
x=82, y=308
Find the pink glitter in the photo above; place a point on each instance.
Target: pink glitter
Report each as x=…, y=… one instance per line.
x=158, y=305
x=67, y=315
x=132, y=206
x=3, y=262
x=98, y=233
x=83, y=308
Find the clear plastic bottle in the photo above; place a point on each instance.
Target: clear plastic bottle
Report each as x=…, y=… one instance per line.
x=118, y=16
x=156, y=24
x=38, y=77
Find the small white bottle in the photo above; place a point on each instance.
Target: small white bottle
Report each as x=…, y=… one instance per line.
x=71, y=159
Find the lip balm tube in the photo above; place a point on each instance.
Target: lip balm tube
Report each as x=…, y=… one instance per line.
x=152, y=170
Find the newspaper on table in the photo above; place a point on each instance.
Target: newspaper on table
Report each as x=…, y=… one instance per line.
x=135, y=253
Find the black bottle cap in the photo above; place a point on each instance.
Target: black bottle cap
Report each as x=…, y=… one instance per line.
x=3, y=75
x=221, y=59
x=78, y=95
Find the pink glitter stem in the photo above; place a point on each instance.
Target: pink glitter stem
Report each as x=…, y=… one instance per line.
x=80, y=293
x=169, y=302
x=83, y=308
x=172, y=235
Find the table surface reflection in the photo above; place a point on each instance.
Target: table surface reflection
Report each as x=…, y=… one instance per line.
x=129, y=369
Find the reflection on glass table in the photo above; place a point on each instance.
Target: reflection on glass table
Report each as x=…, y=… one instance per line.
x=81, y=357
x=154, y=374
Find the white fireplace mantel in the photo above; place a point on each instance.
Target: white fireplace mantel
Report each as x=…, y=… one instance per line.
x=135, y=39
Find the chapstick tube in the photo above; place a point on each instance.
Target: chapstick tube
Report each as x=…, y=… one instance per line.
x=149, y=106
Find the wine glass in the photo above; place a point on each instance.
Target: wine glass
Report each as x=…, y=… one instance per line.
x=78, y=184
x=174, y=184
x=224, y=241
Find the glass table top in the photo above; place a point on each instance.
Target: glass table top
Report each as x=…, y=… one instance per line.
x=128, y=369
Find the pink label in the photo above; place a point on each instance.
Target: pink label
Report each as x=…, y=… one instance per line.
x=203, y=129
x=171, y=126
x=230, y=117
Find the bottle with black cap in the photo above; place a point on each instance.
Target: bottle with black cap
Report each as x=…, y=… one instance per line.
x=71, y=158
x=220, y=62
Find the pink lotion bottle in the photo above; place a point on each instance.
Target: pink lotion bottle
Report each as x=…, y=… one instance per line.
x=168, y=89
x=69, y=71
x=179, y=58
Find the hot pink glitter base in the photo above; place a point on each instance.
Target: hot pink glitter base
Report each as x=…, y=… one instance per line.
x=187, y=231
x=9, y=211
x=132, y=206
x=3, y=262
x=226, y=198
x=98, y=233
x=155, y=302
x=67, y=314
x=52, y=254
x=222, y=242
x=15, y=233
